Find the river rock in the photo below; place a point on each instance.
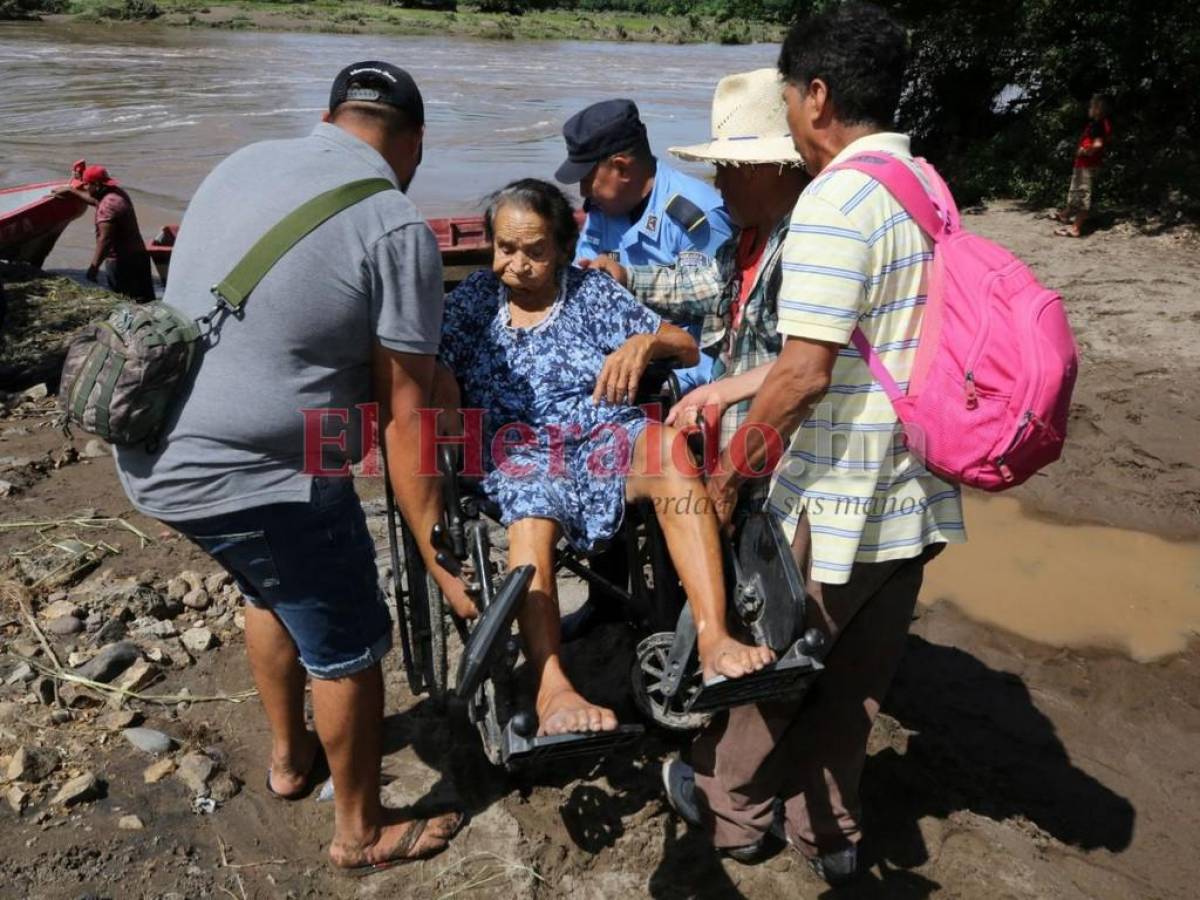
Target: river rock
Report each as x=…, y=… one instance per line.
x=94, y=449
x=148, y=740
x=197, y=640
x=22, y=673
x=35, y=393
x=60, y=716
x=138, y=676
x=78, y=790
x=178, y=588
x=217, y=581
x=7, y=488
x=158, y=771
x=197, y=599
x=119, y=719
x=194, y=770
x=32, y=764
x=26, y=648
x=111, y=631
x=130, y=823
x=149, y=627
x=64, y=626
x=79, y=657
x=59, y=609
x=224, y=787
x=17, y=798
x=110, y=662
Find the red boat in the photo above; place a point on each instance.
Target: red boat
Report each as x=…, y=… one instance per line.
x=464, y=248
x=461, y=240
x=31, y=219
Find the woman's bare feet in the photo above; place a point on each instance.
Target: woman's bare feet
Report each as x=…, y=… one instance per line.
x=397, y=841
x=564, y=711
x=722, y=655
x=289, y=772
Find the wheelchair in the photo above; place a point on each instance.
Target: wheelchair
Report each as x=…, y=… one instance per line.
x=765, y=603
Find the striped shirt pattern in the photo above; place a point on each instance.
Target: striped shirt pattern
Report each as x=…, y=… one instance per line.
x=853, y=257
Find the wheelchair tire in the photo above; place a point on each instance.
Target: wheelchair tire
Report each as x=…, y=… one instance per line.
x=426, y=612
x=649, y=667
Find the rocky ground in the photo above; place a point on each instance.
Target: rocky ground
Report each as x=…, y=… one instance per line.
x=132, y=757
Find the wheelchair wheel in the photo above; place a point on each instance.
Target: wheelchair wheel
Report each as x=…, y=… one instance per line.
x=649, y=672
x=426, y=614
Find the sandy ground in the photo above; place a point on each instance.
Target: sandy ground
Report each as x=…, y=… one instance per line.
x=1001, y=768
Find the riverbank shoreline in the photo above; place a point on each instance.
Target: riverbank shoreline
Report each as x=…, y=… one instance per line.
x=323, y=16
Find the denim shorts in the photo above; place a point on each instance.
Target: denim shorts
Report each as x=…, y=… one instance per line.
x=312, y=565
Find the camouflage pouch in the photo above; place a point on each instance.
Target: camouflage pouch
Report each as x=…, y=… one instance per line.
x=122, y=375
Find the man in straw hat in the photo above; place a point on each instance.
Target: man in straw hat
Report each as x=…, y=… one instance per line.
x=865, y=516
x=760, y=176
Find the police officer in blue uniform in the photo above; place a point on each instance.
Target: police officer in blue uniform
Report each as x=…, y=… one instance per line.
x=639, y=210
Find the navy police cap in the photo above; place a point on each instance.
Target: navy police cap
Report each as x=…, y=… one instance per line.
x=378, y=82
x=596, y=133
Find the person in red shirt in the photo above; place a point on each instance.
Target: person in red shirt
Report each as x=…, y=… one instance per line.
x=119, y=245
x=1089, y=157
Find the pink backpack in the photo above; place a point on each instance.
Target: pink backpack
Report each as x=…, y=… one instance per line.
x=990, y=391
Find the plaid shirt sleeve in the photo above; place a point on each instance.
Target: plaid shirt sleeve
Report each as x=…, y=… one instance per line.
x=689, y=289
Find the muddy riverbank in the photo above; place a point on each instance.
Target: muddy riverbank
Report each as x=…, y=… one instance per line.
x=1024, y=752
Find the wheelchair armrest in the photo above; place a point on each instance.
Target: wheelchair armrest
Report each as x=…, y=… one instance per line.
x=659, y=385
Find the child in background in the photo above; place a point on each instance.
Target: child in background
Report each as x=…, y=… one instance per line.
x=1089, y=156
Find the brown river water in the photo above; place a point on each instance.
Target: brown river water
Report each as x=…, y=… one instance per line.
x=160, y=107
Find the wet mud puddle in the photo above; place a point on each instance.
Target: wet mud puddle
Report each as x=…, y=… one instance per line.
x=1070, y=585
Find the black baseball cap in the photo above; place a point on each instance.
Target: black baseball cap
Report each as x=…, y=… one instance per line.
x=378, y=82
x=596, y=133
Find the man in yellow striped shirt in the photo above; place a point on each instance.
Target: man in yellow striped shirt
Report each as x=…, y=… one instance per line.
x=864, y=513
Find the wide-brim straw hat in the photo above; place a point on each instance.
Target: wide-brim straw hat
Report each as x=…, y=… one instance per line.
x=749, y=123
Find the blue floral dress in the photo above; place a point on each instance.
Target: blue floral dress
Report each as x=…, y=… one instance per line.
x=547, y=450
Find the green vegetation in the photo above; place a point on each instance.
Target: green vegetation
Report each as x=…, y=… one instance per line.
x=30, y=9
x=998, y=92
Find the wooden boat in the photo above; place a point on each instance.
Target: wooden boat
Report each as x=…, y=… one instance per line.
x=31, y=219
x=461, y=240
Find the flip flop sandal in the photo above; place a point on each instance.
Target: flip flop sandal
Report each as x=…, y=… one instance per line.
x=1066, y=232
x=318, y=772
x=412, y=838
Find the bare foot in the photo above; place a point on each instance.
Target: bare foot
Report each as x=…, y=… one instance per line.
x=566, y=712
x=731, y=658
x=288, y=774
x=398, y=841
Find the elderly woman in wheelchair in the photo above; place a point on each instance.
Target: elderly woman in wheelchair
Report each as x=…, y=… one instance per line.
x=544, y=359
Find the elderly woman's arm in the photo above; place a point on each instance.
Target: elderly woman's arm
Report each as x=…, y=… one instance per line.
x=623, y=369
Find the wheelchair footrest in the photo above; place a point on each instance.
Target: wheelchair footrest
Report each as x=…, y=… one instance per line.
x=490, y=633
x=517, y=750
x=789, y=676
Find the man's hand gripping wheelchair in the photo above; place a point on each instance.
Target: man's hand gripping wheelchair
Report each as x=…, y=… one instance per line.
x=766, y=604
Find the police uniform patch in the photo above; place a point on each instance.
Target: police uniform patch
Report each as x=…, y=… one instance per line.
x=685, y=212
x=651, y=223
x=693, y=258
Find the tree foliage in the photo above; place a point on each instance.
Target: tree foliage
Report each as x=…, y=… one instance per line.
x=997, y=94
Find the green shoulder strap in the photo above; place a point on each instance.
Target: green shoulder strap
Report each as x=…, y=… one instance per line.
x=272, y=246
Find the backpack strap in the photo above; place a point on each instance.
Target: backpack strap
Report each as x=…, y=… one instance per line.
x=284, y=235
x=903, y=184
x=863, y=344
x=938, y=218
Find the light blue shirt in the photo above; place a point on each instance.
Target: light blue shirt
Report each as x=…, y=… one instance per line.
x=658, y=238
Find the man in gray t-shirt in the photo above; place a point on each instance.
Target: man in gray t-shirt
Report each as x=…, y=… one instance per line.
x=351, y=315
